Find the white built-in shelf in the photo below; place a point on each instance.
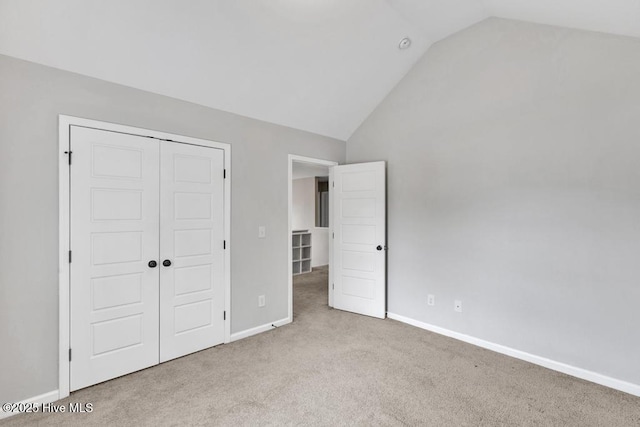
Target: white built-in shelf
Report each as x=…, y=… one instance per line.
x=301, y=244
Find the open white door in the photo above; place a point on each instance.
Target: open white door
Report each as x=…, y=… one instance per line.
x=359, y=243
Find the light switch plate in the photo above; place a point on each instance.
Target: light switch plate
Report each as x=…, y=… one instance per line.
x=262, y=232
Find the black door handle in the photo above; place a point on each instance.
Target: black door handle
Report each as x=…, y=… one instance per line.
x=166, y=263
x=379, y=248
x=152, y=264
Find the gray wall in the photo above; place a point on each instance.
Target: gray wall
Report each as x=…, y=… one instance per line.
x=513, y=156
x=31, y=97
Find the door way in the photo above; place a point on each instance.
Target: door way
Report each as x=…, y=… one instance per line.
x=356, y=231
x=310, y=235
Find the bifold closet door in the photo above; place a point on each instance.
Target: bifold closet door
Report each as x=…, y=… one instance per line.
x=114, y=236
x=191, y=249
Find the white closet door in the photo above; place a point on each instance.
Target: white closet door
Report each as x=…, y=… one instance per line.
x=359, y=245
x=191, y=245
x=114, y=235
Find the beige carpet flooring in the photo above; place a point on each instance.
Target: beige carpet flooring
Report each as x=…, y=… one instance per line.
x=335, y=368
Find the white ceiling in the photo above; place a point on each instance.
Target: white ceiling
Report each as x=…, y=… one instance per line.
x=316, y=65
x=308, y=170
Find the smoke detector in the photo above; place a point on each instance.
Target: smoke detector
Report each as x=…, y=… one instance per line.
x=404, y=43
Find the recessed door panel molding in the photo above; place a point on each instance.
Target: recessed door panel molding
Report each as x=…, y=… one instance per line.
x=358, y=181
x=191, y=169
x=117, y=334
x=357, y=233
x=110, y=161
x=117, y=247
x=146, y=227
x=188, y=243
x=192, y=206
x=359, y=208
x=116, y=291
x=359, y=244
x=191, y=316
x=359, y=261
x=196, y=278
x=358, y=287
x=107, y=205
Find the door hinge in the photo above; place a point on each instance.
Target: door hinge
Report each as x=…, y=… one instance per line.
x=69, y=257
x=224, y=315
x=333, y=286
x=333, y=184
x=69, y=153
x=224, y=174
x=333, y=235
x=69, y=355
x=224, y=244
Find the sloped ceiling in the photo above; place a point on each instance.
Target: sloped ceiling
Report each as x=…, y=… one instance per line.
x=316, y=65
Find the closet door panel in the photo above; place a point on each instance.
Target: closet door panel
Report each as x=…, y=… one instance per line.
x=191, y=245
x=114, y=234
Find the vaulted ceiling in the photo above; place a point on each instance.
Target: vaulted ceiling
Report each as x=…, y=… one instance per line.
x=316, y=65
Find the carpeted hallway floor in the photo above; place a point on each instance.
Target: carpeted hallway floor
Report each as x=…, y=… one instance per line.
x=335, y=368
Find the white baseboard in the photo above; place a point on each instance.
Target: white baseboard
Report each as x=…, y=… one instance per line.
x=532, y=358
x=52, y=396
x=259, y=329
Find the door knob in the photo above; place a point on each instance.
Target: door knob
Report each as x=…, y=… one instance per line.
x=152, y=264
x=166, y=263
x=379, y=248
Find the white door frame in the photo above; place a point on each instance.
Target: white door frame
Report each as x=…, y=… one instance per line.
x=321, y=162
x=64, y=134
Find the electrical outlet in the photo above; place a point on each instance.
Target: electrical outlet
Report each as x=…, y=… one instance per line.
x=262, y=232
x=431, y=299
x=457, y=306
x=261, y=301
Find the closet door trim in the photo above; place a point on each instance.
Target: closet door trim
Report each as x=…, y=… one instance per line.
x=65, y=157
